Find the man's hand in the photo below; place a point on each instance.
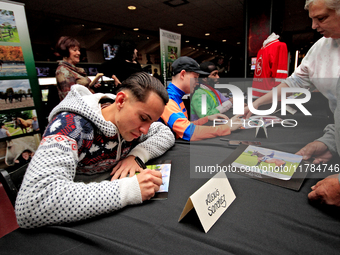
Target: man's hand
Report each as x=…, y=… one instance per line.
x=247, y=112
x=149, y=182
x=235, y=123
x=116, y=80
x=125, y=167
x=317, y=150
x=326, y=191
x=217, y=116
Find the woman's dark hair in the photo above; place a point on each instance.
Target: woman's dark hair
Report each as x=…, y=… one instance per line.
x=141, y=84
x=63, y=45
x=126, y=50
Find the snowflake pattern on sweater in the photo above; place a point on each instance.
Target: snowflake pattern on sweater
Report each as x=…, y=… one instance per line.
x=97, y=153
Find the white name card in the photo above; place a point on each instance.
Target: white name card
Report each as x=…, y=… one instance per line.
x=210, y=201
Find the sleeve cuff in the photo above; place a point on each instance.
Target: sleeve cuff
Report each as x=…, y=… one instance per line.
x=140, y=152
x=130, y=191
x=224, y=107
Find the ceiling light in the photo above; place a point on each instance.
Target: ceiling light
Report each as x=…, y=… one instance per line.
x=180, y=24
x=132, y=8
x=238, y=42
x=147, y=38
x=198, y=44
x=224, y=40
x=206, y=48
x=207, y=34
x=187, y=41
x=136, y=29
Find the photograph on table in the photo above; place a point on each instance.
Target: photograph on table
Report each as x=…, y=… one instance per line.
x=8, y=27
x=17, y=152
x=164, y=167
x=18, y=123
x=12, y=61
x=268, y=162
x=15, y=94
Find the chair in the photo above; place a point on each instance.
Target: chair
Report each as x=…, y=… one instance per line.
x=11, y=181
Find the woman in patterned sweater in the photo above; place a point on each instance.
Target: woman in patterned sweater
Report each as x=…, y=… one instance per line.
x=67, y=73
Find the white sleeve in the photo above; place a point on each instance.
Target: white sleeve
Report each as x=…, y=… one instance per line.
x=225, y=106
x=156, y=142
x=48, y=194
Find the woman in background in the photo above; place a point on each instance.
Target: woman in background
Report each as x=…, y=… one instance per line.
x=67, y=73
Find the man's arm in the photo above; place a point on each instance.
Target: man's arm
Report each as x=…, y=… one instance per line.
x=265, y=99
x=177, y=121
x=155, y=143
x=205, y=132
x=48, y=194
x=196, y=104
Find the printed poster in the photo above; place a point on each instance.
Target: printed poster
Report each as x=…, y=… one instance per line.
x=20, y=97
x=170, y=45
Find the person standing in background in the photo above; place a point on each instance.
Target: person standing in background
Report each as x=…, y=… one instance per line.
x=35, y=124
x=320, y=70
x=123, y=65
x=156, y=75
x=67, y=73
x=3, y=131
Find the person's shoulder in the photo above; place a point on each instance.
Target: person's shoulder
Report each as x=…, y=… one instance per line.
x=62, y=68
x=199, y=91
x=322, y=41
x=68, y=123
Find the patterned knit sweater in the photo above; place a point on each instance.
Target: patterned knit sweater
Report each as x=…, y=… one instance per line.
x=67, y=75
x=78, y=140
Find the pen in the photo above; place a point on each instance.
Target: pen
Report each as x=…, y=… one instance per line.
x=140, y=162
x=223, y=139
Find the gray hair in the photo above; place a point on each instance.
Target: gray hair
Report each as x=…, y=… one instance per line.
x=330, y=4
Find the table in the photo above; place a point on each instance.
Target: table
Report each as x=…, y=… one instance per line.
x=264, y=218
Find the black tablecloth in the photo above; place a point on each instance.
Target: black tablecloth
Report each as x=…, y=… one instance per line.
x=263, y=219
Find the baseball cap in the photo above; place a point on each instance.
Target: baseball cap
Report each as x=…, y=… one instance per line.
x=208, y=67
x=188, y=64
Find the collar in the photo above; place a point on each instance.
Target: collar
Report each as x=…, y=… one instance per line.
x=174, y=90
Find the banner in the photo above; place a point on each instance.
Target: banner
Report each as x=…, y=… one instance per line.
x=20, y=97
x=170, y=44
